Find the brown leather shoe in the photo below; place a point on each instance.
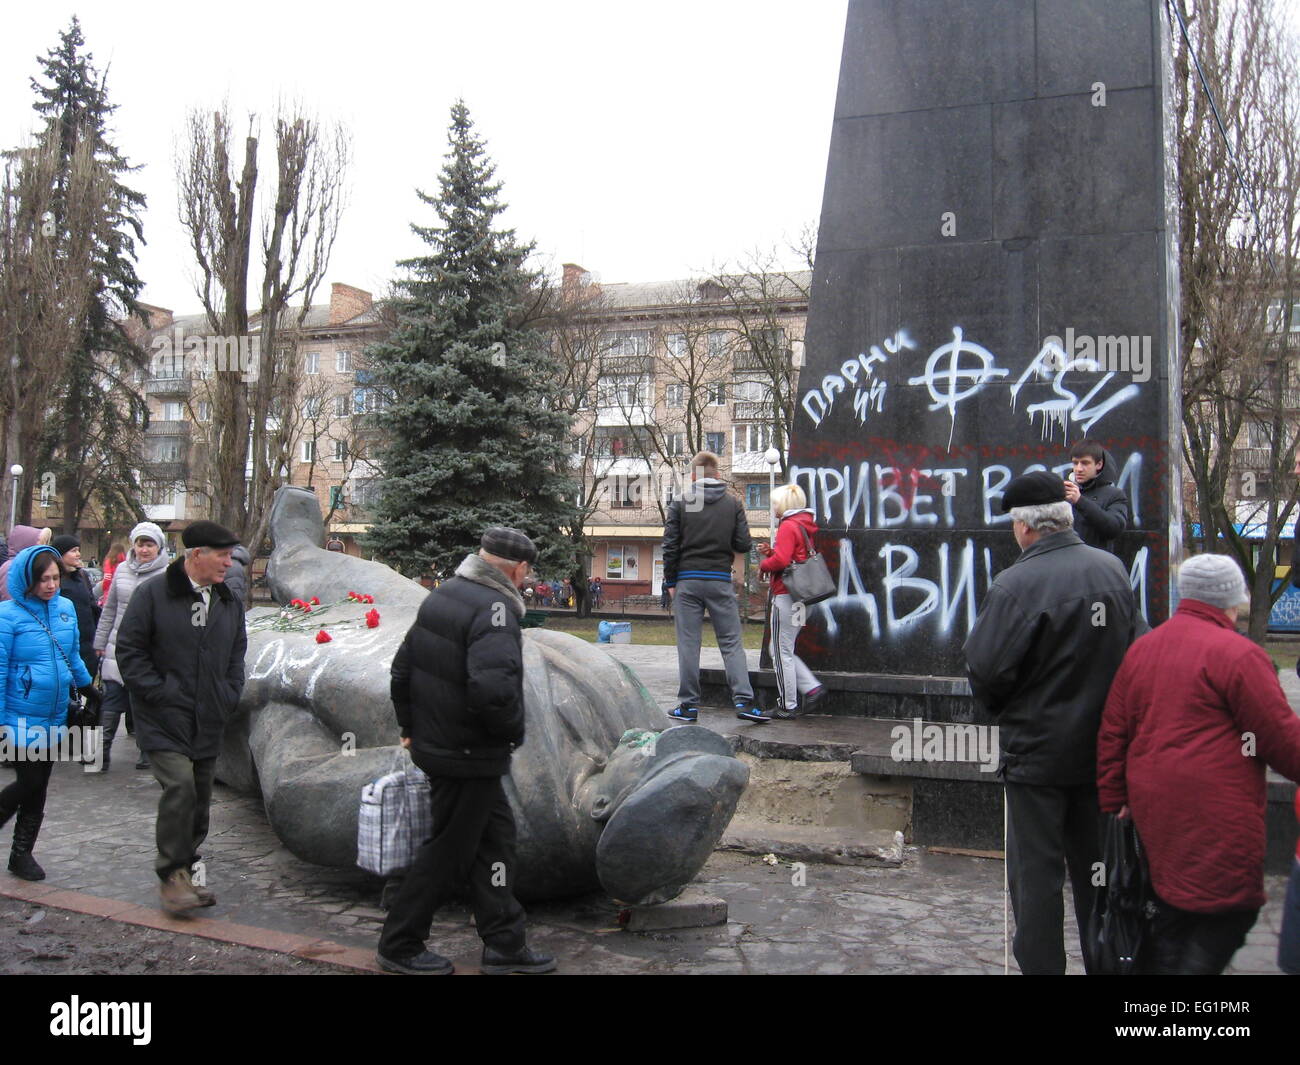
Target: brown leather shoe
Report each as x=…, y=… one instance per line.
x=178, y=894
x=206, y=898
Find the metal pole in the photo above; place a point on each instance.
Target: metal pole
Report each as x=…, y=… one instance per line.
x=13, y=505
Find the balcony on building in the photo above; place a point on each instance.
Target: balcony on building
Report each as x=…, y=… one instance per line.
x=168, y=428
x=171, y=384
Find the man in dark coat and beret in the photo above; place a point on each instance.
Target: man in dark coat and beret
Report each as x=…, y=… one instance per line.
x=458, y=691
x=1050, y=635
x=180, y=650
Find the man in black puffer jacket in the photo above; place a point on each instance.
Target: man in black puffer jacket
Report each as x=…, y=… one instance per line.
x=458, y=690
x=1100, y=509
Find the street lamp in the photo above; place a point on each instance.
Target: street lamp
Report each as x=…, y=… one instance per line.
x=16, y=471
x=773, y=459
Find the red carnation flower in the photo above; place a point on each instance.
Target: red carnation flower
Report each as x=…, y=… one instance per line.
x=372, y=618
x=315, y=601
x=323, y=637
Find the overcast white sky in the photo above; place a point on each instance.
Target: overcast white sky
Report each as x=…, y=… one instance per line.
x=644, y=141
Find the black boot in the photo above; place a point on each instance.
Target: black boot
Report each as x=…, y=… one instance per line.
x=26, y=828
x=108, y=720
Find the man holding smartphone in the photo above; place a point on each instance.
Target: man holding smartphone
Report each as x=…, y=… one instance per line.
x=1100, y=509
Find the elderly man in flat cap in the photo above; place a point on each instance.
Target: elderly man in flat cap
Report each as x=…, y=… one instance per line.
x=180, y=650
x=458, y=690
x=1050, y=635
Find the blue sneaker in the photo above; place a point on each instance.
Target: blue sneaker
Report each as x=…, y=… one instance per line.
x=750, y=712
x=684, y=713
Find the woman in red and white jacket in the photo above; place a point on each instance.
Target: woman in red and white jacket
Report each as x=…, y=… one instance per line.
x=793, y=678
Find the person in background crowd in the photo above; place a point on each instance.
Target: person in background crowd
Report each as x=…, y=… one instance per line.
x=597, y=592
x=1100, y=509
x=543, y=594
x=567, y=593
x=1041, y=663
x=241, y=563
x=38, y=662
x=21, y=537
x=44, y=536
x=1194, y=715
x=115, y=556
x=75, y=587
x=181, y=652
x=458, y=693
x=148, y=557
x=704, y=532
x=795, y=529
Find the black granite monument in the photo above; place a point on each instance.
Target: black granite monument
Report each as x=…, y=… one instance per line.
x=995, y=279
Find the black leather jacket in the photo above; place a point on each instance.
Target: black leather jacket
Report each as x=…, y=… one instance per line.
x=1050, y=635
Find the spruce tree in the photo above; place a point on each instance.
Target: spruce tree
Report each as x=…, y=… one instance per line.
x=471, y=436
x=92, y=436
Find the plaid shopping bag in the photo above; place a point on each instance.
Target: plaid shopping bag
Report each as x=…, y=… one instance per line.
x=395, y=819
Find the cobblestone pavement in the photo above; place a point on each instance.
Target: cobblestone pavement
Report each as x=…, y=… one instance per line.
x=938, y=913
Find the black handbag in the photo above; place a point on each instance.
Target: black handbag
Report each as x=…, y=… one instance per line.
x=80, y=713
x=1123, y=907
x=809, y=581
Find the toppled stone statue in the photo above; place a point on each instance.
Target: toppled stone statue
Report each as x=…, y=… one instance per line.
x=601, y=798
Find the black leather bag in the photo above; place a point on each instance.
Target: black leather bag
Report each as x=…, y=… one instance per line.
x=1123, y=907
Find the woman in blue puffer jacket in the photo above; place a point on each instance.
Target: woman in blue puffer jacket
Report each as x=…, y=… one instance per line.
x=39, y=660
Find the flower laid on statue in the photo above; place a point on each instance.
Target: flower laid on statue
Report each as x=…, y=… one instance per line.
x=323, y=637
x=304, y=615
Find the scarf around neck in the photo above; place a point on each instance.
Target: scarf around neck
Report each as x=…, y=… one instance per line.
x=484, y=573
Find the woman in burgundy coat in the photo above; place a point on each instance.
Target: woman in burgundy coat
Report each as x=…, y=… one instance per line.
x=1194, y=715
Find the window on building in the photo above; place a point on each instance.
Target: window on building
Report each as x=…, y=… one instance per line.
x=675, y=396
x=623, y=392
x=715, y=442
x=757, y=496
x=340, y=451
x=311, y=362
x=719, y=344
x=675, y=444
x=343, y=361
x=751, y=391
x=158, y=495
x=366, y=493
x=621, y=562
x=752, y=436
x=343, y=405
x=205, y=411
x=173, y=411
x=311, y=409
x=628, y=342
x=677, y=344
x=309, y=451
x=369, y=400
x=716, y=395
x=167, y=449
x=1277, y=315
